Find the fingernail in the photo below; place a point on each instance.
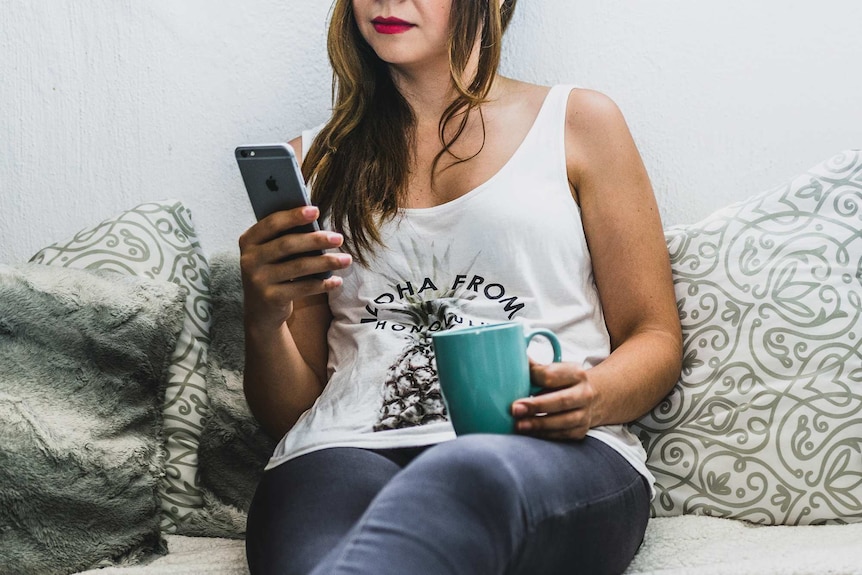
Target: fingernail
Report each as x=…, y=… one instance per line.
x=310, y=211
x=524, y=426
x=519, y=410
x=344, y=259
x=334, y=238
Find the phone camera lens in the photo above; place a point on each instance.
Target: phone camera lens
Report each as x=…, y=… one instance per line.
x=243, y=153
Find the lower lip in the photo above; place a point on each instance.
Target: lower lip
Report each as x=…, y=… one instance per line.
x=391, y=28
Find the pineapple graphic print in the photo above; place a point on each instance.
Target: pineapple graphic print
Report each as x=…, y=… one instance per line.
x=411, y=391
x=411, y=394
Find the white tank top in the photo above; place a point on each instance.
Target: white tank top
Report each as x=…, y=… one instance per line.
x=511, y=249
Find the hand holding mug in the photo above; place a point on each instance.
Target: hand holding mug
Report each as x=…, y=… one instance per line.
x=565, y=410
x=482, y=371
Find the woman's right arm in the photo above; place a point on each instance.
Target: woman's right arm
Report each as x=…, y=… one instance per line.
x=286, y=321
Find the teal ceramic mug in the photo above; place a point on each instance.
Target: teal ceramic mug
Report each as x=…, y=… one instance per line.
x=482, y=370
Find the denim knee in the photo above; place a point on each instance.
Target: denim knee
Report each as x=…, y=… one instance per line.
x=473, y=467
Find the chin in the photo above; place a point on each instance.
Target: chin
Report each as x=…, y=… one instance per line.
x=408, y=58
x=395, y=58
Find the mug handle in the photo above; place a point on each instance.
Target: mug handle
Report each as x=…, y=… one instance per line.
x=555, y=343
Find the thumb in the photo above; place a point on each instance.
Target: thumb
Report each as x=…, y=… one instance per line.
x=537, y=373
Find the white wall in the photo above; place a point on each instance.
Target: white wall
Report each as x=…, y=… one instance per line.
x=108, y=103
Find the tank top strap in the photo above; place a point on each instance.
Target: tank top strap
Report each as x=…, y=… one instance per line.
x=308, y=137
x=545, y=145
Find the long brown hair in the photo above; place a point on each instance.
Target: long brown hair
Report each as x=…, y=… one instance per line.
x=359, y=164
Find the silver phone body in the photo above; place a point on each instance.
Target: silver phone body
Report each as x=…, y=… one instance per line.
x=274, y=183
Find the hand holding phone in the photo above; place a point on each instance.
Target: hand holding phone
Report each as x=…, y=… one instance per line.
x=274, y=183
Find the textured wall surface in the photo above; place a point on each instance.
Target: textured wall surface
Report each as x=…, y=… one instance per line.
x=109, y=103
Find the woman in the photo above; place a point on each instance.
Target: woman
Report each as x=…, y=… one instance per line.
x=452, y=194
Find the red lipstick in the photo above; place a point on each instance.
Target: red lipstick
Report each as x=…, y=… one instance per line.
x=391, y=25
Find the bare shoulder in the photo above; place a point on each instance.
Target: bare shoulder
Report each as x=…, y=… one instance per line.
x=591, y=114
x=596, y=134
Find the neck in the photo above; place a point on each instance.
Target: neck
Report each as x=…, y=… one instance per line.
x=429, y=91
x=428, y=87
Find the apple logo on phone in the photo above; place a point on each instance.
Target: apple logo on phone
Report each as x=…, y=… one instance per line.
x=272, y=184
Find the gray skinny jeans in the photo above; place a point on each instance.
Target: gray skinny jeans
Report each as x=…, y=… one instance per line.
x=481, y=504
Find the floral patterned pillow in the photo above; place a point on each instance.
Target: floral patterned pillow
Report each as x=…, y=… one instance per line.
x=765, y=423
x=157, y=240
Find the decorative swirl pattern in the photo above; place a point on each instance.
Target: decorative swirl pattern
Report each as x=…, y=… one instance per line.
x=765, y=423
x=157, y=240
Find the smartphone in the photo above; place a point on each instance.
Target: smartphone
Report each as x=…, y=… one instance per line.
x=274, y=183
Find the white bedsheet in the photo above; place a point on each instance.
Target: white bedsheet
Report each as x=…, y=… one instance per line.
x=673, y=546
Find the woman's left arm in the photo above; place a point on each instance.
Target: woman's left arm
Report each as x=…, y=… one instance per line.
x=632, y=273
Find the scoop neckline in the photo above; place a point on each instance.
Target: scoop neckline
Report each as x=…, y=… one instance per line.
x=431, y=210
